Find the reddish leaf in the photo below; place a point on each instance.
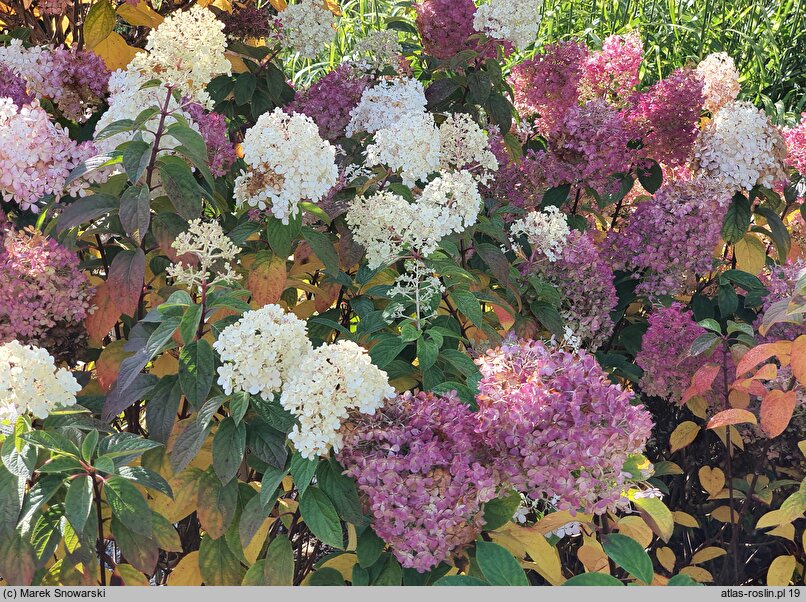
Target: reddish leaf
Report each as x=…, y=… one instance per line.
x=776, y=411
x=108, y=364
x=126, y=280
x=105, y=315
x=701, y=382
x=799, y=359
x=267, y=280
x=761, y=353
x=733, y=416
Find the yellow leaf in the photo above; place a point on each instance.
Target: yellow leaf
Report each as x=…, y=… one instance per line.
x=252, y=550
x=735, y=438
x=637, y=529
x=780, y=571
x=186, y=572
x=685, y=519
x=528, y=540
x=224, y=5
x=802, y=447
x=141, y=15
x=266, y=280
x=785, y=531
x=700, y=575
x=667, y=558
x=723, y=514
x=333, y=7
x=683, y=435
x=115, y=52
x=707, y=554
x=592, y=556
x=751, y=255
x=774, y=518
x=165, y=365
x=698, y=406
x=555, y=520
x=343, y=563
x=130, y=575
x=712, y=479
x=99, y=23
x=352, y=538
x=798, y=360
x=279, y=5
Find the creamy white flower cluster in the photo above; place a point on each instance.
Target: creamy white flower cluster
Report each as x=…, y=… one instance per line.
x=377, y=51
x=464, y=145
x=214, y=250
x=516, y=21
x=261, y=350
x=720, y=80
x=127, y=99
x=546, y=230
x=307, y=27
x=32, y=383
x=409, y=146
x=416, y=286
x=386, y=103
x=288, y=162
x=186, y=51
x=388, y=226
x=741, y=148
x=326, y=385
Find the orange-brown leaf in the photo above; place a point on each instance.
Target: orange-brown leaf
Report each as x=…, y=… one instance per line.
x=108, y=364
x=761, y=353
x=267, y=280
x=776, y=411
x=732, y=416
x=799, y=359
x=106, y=314
x=701, y=381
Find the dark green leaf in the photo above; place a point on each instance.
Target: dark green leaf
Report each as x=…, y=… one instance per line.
x=500, y=111
x=629, y=555
x=162, y=407
x=78, y=502
x=196, y=371
x=651, y=177
x=323, y=248
x=594, y=579
x=498, y=565
x=321, y=517
x=128, y=505
x=136, y=155
x=302, y=471
x=181, y=187
x=499, y=512
x=228, y=449
x=737, y=219
x=135, y=212
x=461, y=581
x=86, y=209
x=190, y=323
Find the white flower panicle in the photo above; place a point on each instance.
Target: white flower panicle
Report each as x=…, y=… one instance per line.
x=741, y=148
x=409, y=146
x=377, y=51
x=416, y=286
x=324, y=387
x=186, y=51
x=720, y=80
x=214, y=250
x=388, y=226
x=546, y=230
x=32, y=383
x=383, y=105
x=464, y=145
x=127, y=99
x=288, y=162
x=261, y=350
x=307, y=27
x=516, y=21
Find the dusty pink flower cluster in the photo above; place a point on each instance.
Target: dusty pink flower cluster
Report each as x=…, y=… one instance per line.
x=36, y=155
x=44, y=296
x=420, y=468
x=13, y=86
x=446, y=28
x=557, y=425
x=671, y=236
x=613, y=71
x=75, y=80
x=329, y=100
x=796, y=145
x=213, y=128
x=665, y=352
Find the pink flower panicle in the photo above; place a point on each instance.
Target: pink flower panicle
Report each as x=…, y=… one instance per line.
x=612, y=72
x=664, y=356
x=672, y=236
x=547, y=85
x=585, y=282
x=446, y=27
x=557, y=425
x=795, y=138
x=666, y=117
x=419, y=468
x=329, y=101
x=44, y=296
x=13, y=86
x=75, y=80
x=213, y=128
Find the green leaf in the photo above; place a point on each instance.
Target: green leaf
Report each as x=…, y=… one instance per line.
x=747, y=281
x=383, y=352
x=267, y=443
x=136, y=155
x=10, y=501
x=461, y=581
x=728, y=300
x=17, y=560
x=218, y=565
x=468, y=304
x=780, y=234
x=165, y=535
x=196, y=371
x=192, y=142
x=86, y=209
x=499, y=512
x=217, y=504
x=594, y=579
x=326, y=577
x=128, y=505
x=684, y=580
x=651, y=177
x=737, y=219
x=500, y=111
x=146, y=478
x=549, y=317
x=556, y=197
x=190, y=323
x=498, y=565
x=229, y=444
x=18, y=456
x=281, y=236
x=279, y=567
x=479, y=85
x=99, y=23
x=163, y=403
x=302, y=471
x=245, y=85
x=78, y=502
x=656, y=515
x=369, y=548
x=629, y=555
x=320, y=515
x=181, y=187
x=341, y=490
x=323, y=248
x=427, y=353
x=391, y=575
